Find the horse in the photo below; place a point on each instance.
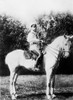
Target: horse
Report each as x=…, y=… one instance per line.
x=59, y=47
x=15, y=60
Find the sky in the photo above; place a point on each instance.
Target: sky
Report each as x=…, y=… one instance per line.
x=28, y=10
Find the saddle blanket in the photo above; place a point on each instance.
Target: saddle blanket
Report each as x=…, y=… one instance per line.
x=31, y=54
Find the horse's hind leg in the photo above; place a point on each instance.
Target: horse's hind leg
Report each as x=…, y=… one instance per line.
x=11, y=84
x=13, y=78
x=14, y=84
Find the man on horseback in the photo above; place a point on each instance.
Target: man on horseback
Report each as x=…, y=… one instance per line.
x=33, y=40
x=34, y=43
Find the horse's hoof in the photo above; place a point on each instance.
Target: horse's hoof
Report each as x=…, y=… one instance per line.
x=53, y=96
x=14, y=96
x=49, y=97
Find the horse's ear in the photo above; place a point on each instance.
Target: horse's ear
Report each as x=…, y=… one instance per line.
x=65, y=36
x=71, y=37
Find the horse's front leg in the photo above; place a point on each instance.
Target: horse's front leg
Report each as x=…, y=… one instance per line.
x=52, y=86
x=48, y=75
x=13, y=78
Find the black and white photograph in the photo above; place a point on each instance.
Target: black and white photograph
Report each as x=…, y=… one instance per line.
x=36, y=49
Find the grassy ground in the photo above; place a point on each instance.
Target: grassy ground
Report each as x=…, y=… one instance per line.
x=31, y=87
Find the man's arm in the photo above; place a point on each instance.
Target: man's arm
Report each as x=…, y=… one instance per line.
x=31, y=38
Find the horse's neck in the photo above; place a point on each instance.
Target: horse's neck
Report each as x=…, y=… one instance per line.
x=55, y=47
x=57, y=43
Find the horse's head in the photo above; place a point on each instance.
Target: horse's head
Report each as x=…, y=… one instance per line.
x=66, y=44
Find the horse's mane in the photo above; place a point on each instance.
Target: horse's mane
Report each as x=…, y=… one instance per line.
x=56, y=38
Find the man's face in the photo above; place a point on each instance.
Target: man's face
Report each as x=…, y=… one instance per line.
x=33, y=28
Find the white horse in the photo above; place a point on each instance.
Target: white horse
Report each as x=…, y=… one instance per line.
x=14, y=60
x=60, y=46
x=17, y=58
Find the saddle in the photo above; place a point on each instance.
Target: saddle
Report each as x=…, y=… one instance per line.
x=31, y=54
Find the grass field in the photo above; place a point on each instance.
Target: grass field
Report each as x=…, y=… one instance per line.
x=33, y=87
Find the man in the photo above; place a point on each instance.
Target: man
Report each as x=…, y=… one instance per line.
x=34, y=45
x=34, y=42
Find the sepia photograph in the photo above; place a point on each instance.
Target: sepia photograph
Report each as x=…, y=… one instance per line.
x=36, y=49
